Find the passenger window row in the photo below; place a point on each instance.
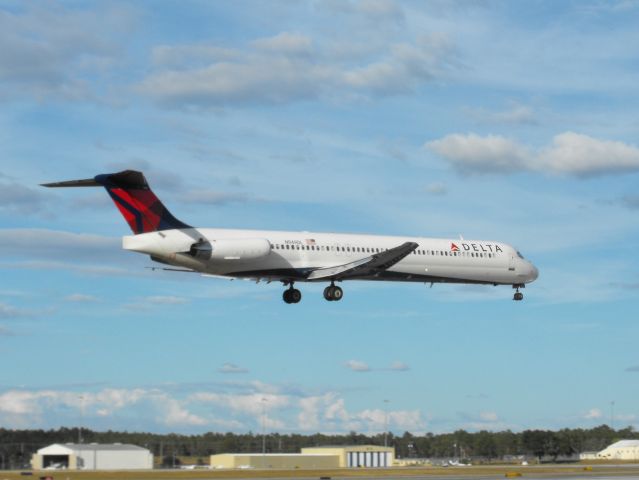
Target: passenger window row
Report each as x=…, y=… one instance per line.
x=334, y=248
x=327, y=248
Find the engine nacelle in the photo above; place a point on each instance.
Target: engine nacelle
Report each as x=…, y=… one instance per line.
x=231, y=249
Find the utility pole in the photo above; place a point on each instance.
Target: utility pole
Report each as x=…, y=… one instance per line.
x=81, y=397
x=612, y=415
x=263, y=432
x=386, y=422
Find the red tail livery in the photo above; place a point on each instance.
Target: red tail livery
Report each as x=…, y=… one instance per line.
x=143, y=211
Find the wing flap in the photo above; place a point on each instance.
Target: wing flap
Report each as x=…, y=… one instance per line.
x=365, y=266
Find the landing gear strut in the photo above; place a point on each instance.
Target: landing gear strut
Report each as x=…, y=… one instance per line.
x=333, y=293
x=291, y=294
x=518, y=296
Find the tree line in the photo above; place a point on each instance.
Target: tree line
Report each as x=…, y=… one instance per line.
x=17, y=446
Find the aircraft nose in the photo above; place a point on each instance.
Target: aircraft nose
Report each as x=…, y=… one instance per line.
x=534, y=273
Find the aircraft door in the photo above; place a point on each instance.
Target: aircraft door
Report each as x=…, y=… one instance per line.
x=511, y=262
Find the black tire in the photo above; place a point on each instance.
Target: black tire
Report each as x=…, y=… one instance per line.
x=338, y=293
x=295, y=295
x=286, y=296
x=328, y=293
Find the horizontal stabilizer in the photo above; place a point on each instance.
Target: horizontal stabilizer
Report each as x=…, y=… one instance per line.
x=89, y=182
x=129, y=190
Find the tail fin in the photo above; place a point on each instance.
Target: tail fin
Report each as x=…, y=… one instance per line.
x=139, y=206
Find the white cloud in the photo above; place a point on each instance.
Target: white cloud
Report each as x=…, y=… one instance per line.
x=516, y=115
x=436, y=188
x=229, y=367
x=165, y=300
x=379, y=11
x=81, y=298
x=313, y=407
x=372, y=420
x=582, y=155
x=176, y=414
x=489, y=416
x=285, y=43
x=593, y=414
x=357, y=366
x=254, y=403
x=570, y=153
x=159, y=407
x=5, y=332
x=51, y=51
x=475, y=154
x=399, y=367
x=54, y=245
x=183, y=56
x=9, y=311
x=19, y=199
x=286, y=68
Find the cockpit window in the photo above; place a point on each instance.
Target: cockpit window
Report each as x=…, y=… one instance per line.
x=520, y=255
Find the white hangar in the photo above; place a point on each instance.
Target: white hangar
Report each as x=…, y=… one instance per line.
x=93, y=456
x=621, y=450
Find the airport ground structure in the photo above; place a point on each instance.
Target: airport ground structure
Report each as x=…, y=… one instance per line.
x=353, y=456
x=622, y=450
x=174, y=450
x=92, y=456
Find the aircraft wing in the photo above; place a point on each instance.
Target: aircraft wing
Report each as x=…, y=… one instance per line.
x=365, y=266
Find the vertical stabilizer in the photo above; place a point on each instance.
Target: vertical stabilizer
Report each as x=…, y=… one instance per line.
x=129, y=190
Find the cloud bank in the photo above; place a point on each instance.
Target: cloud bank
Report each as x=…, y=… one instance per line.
x=569, y=154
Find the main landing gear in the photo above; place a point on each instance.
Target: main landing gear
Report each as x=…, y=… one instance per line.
x=333, y=293
x=292, y=295
x=518, y=296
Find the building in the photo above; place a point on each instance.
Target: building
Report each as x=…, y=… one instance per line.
x=273, y=460
x=588, y=456
x=621, y=450
x=317, y=457
x=93, y=456
x=371, y=456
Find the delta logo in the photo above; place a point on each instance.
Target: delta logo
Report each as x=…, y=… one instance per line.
x=476, y=247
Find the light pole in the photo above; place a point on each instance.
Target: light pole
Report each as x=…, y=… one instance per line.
x=612, y=415
x=81, y=397
x=263, y=431
x=386, y=422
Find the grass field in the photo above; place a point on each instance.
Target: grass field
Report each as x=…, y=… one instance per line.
x=402, y=472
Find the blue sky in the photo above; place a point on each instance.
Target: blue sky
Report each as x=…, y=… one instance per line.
x=509, y=121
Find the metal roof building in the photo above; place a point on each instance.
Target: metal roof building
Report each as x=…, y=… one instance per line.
x=621, y=450
x=370, y=456
x=93, y=456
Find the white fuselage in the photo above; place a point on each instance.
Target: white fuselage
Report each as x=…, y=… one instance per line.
x=275, y=255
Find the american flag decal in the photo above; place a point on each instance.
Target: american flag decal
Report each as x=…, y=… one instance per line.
x=310, y=241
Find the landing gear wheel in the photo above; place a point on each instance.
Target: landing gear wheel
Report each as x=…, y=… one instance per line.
x=287, y=296
x=518, y=296
x=328, y=294
x=295, y=295
x=333, y=293
x=292, y=295
x=338, y=293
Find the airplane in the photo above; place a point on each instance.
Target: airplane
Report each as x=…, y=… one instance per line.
x=296, y=257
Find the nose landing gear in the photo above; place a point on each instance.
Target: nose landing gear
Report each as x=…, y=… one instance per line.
x=333, y=293
x=518, y=296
